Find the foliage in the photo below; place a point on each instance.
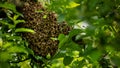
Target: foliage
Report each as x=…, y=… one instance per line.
x=97, y=24
x=13, y=50
x=93, y=42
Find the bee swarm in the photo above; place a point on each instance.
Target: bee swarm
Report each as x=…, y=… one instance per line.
x=45, y=25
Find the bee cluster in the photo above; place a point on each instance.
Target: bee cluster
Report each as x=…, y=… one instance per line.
x=45, y=25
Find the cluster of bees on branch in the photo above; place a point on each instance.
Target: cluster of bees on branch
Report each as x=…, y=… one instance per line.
x=45, y=25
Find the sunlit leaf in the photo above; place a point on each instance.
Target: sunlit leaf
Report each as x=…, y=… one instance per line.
x=58, y=63
x=54, y=38
x=15, y=17
x=19, y=21
x=24, y=30
x=25, y=64
x=1, y=42
x=17, y=49
x=75, y=53
x=48, y=56
x=61, y=37
x=45, y=16
x=72, y=5
x=7, y=44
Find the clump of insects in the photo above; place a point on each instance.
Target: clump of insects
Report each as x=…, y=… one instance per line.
x=45, y=25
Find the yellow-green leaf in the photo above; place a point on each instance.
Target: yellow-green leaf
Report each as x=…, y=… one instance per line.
x=19, y=21
x=15, y=17
x=45, y=16
x=72, y=5
x=8, y=44
x=24, y=30
x=25, y=64
x=48, y=56
x=17, y=49
x=1, y=42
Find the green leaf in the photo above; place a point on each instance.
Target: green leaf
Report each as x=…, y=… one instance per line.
x=1, y=42
x=4, y=65
x=67, y=60
x=92, y=4
x=5, y=56
x=17, y=49
x=15, y=20
x=48, y=56
x=116, y=60
x=30, y=51
x=9, y=6
x=7, y=44
x=10, y=17
x=15, y=17
x=78, y=64
x=19, y=21
x=61, y=37
x=73, y=46
x=54, y=38
x=14, y=37
x=6, y=23
x=25, y=64
x=95, y=55
x=61, y=18
x=62, y=42
x=74, y=32
x=24, y=30
x=59, y=54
